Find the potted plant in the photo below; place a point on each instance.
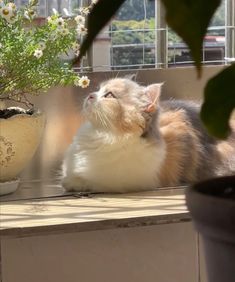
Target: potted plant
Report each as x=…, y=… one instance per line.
x=211, y=203
x=31, y=63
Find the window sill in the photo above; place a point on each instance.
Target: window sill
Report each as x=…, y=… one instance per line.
x=64, y=213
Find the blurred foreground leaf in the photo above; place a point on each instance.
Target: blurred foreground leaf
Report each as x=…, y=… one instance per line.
x=100, y=15
x=219, y=102
x=190, y=20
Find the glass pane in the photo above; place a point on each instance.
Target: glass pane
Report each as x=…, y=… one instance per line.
x=133, y=36
x=213, y=47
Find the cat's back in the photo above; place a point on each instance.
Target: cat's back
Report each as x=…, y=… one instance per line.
x=182, y=111
x=191, y=152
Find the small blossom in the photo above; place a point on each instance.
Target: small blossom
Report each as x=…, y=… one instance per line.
x=11, y=20
x=80, y=20
x=49, y=20
x=83, y=82
x=53, y=35
x=64, y=31
x=77, y=53
x=59, y=22
x=84, y=10
x=38, y=53
x=6, y=12
x=11, y=6
x=26, y=15
x=75, y=46
x=32, y=13
x=81, y=30
x=42, y=45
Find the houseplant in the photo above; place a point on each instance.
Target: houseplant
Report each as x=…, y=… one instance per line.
x=30, y=64
x=211, y=203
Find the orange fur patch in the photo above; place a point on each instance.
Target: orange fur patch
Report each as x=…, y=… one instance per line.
x=179, y=137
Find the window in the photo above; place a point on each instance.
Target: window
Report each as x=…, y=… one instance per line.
x=138, y=37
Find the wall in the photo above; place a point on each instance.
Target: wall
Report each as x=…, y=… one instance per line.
x=162, y=253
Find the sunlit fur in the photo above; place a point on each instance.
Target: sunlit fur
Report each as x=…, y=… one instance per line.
x=132, y=142
x=122, y=115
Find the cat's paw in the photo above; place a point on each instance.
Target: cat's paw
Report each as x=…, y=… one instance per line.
x=74, y=184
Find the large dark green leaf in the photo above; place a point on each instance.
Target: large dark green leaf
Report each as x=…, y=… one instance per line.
x=100, y=15
x=219, y=102
x=190, y=19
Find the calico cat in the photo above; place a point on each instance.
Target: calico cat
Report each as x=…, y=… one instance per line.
x=133, y=142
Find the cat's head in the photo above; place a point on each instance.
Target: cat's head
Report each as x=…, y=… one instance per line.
x=122, y=106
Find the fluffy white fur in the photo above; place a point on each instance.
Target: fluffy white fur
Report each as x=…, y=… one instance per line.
x=100, y=161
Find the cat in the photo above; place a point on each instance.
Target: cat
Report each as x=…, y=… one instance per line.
x=134, y=142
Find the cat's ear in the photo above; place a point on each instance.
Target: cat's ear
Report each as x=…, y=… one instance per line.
x=153, y=93
x=131, y=76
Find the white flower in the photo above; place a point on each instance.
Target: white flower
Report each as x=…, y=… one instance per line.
x=38, y=53
x=83, y=82
x=80, y=20
x=11, y=6
x=26, y=15
x=94, y=1
x=77, y=53
x=42, y=45
x=60, y=22
x=84, y=10
x=53, y=35
x=81, y=30
x=30, y=14
x=1, y=3
x=64, y=31
x=11, y=20
x=75, y=46
x=6, y=12
x=49, y=19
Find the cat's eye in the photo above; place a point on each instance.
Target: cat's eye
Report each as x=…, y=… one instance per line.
x=109, y=95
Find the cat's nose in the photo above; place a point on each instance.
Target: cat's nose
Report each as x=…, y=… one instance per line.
x=91, y=96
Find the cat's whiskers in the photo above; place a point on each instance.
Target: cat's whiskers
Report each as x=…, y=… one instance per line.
x=101, y=118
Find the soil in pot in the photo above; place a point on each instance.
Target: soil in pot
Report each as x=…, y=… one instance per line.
x=214, y=187
x=12, y=111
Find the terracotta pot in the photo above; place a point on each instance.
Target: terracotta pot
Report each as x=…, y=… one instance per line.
x=212, y=206
x=19, y=138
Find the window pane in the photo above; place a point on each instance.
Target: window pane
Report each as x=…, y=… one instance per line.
x=213, y=47
x=132, y=35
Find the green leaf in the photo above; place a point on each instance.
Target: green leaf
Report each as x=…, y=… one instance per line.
x=219, y=102
x=190, y=20
x=100, y=15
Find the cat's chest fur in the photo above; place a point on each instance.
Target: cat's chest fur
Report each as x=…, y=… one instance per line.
x=109, y=163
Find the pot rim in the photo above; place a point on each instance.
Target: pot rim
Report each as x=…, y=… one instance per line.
x=213, y=216
x=214, y=183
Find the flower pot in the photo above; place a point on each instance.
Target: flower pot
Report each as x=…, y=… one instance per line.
x=20, y=135
x=212, y=206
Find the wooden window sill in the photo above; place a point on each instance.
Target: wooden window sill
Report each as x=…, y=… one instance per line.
x=67, y=213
